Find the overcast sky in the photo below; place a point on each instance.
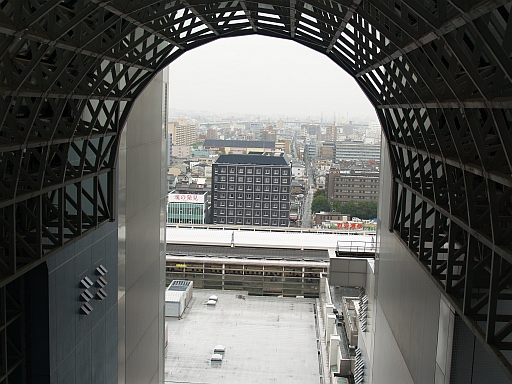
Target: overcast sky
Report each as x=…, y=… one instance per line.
x=267, y=76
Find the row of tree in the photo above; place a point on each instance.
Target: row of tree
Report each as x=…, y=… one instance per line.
x=363, y=210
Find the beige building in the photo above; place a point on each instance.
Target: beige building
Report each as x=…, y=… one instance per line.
x=284, y=145
x=181, y=151
x=182, y=133
x=352, y=185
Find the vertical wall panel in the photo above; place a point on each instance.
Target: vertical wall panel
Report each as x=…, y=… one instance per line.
x=72, y=334
x=408, y=303
x=141, y=235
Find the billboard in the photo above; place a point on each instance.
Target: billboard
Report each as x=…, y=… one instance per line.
x=186, y=198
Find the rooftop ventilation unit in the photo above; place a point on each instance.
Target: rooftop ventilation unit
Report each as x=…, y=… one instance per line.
x=216, y=357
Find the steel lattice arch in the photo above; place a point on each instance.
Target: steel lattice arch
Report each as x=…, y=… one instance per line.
x=437, y=71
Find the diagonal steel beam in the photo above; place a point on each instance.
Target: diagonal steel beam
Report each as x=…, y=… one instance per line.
x=293, y=19
x=435, y=34
x=249, y=16
x=68, y=47
x=350, y=12
x=200, y=17
x=136, y=22
x=467, y=104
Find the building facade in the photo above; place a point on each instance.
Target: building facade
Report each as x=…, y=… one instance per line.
x=182, y=133
x=251, y=190
x=240, y=146
x=357, y=151
x=352, y=185
x=187, y=208
x=181, y=151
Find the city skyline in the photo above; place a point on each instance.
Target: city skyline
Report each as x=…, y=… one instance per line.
x=256, y=75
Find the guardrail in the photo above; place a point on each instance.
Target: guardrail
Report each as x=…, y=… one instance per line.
x=355, y=247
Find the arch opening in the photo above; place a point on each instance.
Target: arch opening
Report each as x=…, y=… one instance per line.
x=438, y=74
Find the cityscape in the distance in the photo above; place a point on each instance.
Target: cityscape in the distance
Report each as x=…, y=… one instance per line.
x=263, y=171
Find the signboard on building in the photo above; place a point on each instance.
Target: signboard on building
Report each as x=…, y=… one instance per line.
x=186, y=198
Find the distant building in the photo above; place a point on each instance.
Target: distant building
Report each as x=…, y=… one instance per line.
x=181, y=151
x=212, y=134
x=321, y=217
x=352, y=185
x=194, y=186
x=357, y=150
x=268, y=134
x=311, y=129
x=182, y=133
x=298, y=170
x=187, y=208
x=251, y=190
x=284, y=145
x=331, y=133
x=311, y=150
x=326, y=150
x=297, y=188
x=240, y=146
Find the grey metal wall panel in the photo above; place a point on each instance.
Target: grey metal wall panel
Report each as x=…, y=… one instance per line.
x=471, y=363
x=462, y=356
x=72, y=333
x=388, y=366
x=409, y=301
x=141, y=235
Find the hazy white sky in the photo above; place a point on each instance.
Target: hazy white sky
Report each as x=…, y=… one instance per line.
x=267, y=76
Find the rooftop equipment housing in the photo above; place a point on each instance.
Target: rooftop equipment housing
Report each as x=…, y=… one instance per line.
x=177, y=297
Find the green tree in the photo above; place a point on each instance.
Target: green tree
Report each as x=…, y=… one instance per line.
x=367, y=209
x=336, y=206
x=350, y=208
x=364, y=210
x=319, y=192
x=320, y=204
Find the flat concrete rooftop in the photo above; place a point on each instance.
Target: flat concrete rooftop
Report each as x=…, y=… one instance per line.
x=268, y=237
x=267, y=340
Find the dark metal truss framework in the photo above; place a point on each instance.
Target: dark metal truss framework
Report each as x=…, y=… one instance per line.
x=438, y=71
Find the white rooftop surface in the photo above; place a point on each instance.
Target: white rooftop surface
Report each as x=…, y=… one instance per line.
x=278, y=239
x=267, y=340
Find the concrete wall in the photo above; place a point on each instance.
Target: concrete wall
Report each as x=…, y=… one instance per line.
x=141, y=225
x=347, y=271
